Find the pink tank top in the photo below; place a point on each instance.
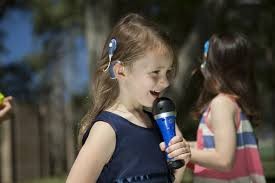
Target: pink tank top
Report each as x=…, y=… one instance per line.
x=247, y=166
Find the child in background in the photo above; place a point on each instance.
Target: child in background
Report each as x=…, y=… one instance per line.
x=120, y=141
x=226, y=147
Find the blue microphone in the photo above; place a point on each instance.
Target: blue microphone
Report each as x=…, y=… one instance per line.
x=164, y=112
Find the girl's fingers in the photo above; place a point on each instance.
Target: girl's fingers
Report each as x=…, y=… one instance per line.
x=179, y=149
x=177, y=139
x=4, y=111
x=186, y=157
x=178, y=152
x=176, y=146
x=8, y=99
x=6, y=107
x=162, y=146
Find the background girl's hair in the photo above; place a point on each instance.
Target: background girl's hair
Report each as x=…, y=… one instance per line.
x=229, y=70
x=135, y=36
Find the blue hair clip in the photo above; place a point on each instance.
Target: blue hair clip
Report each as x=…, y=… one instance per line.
x=205, y=52
x=111, y=50
x=206, y=48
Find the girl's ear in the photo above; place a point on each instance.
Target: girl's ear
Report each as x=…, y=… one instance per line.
x=119, y=70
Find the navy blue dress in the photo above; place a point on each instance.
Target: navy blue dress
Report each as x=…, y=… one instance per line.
x=137, y=156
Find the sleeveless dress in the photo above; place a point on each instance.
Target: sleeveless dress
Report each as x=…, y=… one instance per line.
x=247, y=166
x=137, y=156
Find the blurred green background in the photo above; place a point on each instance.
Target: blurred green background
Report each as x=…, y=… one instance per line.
x=48, y=51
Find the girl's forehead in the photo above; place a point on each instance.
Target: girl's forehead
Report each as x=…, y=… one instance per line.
x=153, y=59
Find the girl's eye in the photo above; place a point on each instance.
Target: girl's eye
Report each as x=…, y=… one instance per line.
x=155, y=72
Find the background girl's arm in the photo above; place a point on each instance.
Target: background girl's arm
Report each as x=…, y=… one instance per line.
x=94, y=154
x=192, y=144
x=222, y=122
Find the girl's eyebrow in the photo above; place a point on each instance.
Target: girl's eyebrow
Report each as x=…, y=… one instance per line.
x=162, y=67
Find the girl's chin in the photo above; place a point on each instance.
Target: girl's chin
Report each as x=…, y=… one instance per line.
x=150, y=104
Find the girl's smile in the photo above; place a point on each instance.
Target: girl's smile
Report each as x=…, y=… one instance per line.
x=155, y=93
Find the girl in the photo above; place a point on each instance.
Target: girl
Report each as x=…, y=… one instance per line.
x=120, y=140
x=226, y=148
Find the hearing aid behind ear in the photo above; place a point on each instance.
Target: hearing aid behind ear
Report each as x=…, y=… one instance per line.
x=111, y=50
x=111, y=68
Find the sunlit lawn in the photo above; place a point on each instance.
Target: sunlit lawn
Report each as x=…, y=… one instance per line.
x=48, y=180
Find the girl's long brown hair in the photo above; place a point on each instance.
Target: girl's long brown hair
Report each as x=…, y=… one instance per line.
x=135, y=36
x=229, y=70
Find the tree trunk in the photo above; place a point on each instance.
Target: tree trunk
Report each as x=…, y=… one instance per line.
x=56, y=120
x=97, y=22
x=69, y=61
x=6, y=152
x=26, y=142
x=43, y=118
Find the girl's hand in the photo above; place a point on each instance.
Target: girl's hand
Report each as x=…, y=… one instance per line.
x=5, y=108
x=178, y=149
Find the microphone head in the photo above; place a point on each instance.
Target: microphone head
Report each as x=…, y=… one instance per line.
x=162, y=105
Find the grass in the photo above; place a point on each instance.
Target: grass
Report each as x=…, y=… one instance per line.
x=269, y=167
x=48, y=180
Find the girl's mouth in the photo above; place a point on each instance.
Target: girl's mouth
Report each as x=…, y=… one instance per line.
x=154, y=93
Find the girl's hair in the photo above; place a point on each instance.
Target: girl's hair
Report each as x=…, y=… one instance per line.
x=135, y=36
x=228, y=69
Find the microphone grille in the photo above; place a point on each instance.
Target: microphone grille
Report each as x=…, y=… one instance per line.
x=163, y=104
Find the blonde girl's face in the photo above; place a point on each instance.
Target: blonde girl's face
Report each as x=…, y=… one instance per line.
x=148, y=78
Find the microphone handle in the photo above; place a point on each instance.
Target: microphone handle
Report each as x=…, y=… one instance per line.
x=164, y=111
x=176, y=164
x=166, y=124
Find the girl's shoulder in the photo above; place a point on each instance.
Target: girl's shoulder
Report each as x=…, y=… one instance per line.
x=101, y=125
x=223, y=108
x=101, y=130
x=100, y=143
x=224, y=100
x=224, y=103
